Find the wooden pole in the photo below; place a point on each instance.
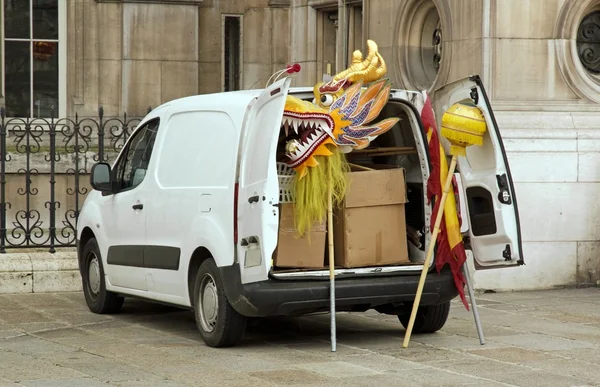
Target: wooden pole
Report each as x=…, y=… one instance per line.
x=436, y=230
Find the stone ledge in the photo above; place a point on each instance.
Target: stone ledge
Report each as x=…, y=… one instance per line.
x=39, y=272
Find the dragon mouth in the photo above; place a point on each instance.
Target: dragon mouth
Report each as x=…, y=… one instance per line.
x=305, y=132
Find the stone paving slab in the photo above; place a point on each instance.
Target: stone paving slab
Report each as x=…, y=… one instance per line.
x=545, y=338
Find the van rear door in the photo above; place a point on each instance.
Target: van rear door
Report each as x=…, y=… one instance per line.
x=258, y=189
x=494, y=227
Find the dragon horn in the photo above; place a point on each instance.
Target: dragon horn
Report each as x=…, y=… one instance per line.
x=371, y=68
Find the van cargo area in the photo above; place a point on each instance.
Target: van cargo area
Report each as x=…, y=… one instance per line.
x=380, y=226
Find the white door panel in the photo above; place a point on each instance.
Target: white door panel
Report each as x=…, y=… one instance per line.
x=124, y=213
x=125, y=229
x=494, y=229
x=258, y=190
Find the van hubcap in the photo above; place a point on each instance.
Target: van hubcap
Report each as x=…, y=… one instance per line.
x=94, y=275
x=209, y=303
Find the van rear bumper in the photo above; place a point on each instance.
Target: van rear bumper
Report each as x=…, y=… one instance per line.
x=292, y=297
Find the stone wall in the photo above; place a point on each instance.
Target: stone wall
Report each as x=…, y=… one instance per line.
x=127, y=56
x=548, y=113
x=546, y=105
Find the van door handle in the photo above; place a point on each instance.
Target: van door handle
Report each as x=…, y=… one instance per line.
x=253, y=199
x=138, y=206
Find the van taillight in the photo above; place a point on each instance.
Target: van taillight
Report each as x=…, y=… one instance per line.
x=235, y=213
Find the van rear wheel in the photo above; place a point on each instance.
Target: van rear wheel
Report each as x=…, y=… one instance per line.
x=429, y=319
x=219, y=324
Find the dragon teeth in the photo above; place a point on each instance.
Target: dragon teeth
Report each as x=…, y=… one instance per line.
x=301, y=149
x=286, y=127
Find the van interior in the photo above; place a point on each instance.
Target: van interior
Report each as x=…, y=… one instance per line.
x=395, y=149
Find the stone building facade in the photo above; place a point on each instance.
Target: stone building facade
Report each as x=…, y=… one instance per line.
x=128, y=55
x=539, y=61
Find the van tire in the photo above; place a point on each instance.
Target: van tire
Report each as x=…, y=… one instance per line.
x=223, y=327
x=98, y=299
x=429, y=319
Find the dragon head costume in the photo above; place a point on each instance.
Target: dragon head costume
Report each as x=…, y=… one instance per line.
x=338, y=120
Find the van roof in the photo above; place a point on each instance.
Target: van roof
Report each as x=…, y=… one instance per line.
x=221, y=99
x=227, y=100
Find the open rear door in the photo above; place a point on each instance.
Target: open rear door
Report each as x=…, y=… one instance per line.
x=258, y=190
x=494, y=230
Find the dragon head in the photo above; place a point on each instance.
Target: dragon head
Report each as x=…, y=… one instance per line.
x=340, y=114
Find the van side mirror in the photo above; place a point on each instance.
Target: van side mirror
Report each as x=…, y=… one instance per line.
x=101, y=177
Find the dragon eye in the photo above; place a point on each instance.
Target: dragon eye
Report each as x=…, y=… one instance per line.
x=326, y=99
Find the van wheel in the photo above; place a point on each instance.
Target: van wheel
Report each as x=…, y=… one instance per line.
x=98, y=299
x=219, y=324
x=429, y=319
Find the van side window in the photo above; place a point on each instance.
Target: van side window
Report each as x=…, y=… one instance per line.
x=132, y=166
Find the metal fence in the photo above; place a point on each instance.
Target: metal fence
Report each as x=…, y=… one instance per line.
x=44, y=174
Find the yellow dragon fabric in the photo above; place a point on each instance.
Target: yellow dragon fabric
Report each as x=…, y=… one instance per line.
x=337, y=121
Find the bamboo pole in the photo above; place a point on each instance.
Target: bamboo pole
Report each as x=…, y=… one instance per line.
x=361, y=167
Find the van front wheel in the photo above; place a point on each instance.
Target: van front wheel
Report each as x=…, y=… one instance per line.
x=98, y=299
x=219, y=324
x=430, y=318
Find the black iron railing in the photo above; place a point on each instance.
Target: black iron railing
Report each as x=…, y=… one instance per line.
x=44, y=174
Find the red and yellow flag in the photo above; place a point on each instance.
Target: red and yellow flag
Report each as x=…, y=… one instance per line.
x=449, y=248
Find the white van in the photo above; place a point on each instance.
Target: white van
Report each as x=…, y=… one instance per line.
x=188, y=215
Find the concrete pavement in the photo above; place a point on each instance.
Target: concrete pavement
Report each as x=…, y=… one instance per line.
x=546, y=338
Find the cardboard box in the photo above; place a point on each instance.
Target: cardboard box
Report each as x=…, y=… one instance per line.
x=370, y=228
x=293, y=251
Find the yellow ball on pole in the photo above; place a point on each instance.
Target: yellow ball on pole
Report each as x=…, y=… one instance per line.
x=463, y=124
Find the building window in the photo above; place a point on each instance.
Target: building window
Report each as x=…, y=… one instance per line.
x=232, y=39
x=421, y=41
x=33, y=55
x=588, y=42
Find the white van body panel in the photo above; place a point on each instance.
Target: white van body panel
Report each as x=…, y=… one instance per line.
x=186, y=205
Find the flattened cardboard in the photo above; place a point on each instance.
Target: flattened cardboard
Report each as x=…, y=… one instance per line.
x=293, y=251
x=370, y=228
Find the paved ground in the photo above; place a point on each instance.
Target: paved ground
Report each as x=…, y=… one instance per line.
x=547, y=338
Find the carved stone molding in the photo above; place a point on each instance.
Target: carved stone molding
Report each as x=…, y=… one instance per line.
x=583, y=82
x=178, y=2
x=423, y=24
x=279, y=3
